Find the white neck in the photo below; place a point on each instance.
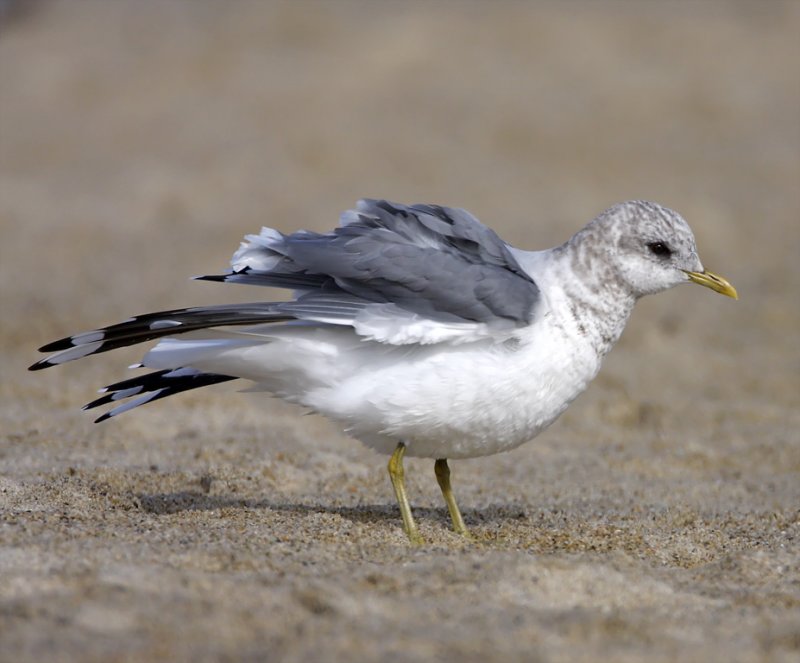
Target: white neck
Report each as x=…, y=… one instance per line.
x=574, y=302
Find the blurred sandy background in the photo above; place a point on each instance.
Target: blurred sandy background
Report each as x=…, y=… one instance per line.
x=658, y=519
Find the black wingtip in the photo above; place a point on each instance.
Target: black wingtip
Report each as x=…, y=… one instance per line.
x=105, y=398
x=60, y=344
x=211, y=277
x=40, y=365
x=103, y=417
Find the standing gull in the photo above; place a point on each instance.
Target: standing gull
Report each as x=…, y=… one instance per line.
x=414, y=327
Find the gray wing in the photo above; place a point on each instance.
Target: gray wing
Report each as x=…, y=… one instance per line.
x=396, y=274
x=438, y=263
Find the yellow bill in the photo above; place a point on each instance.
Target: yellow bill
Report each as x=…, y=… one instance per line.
x=716, y=283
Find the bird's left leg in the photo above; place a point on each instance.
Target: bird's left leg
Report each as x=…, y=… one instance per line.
x=443, y=477
x=397, y=475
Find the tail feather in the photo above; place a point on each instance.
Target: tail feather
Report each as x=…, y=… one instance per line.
x=152, y=387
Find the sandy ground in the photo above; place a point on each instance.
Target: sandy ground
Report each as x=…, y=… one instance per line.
x=657, y=520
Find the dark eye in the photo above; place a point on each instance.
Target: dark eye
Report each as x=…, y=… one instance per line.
x=659, y=249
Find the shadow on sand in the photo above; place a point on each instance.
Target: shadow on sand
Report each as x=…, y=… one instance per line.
x=191, y=500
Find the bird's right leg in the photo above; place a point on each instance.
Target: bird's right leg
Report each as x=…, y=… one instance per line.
x=397, y=475
x=443, y=477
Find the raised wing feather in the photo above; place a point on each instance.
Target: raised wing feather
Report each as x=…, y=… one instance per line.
x=438, y=263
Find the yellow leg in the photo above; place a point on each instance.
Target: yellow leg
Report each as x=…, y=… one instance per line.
x=397, y=475
x=443, y=477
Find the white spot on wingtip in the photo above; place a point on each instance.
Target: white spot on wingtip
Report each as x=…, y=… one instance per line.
x=88, y=337
x=132, y=404
x=75, y=353
x=126, y=393
x=164, y=324
x=182, y=373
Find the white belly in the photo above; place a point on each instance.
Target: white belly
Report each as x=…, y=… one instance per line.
x=464, y=401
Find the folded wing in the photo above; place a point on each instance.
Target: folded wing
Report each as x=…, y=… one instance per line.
x=432, y=273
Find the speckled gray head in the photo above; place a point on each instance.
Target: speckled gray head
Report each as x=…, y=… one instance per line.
x=650, y=248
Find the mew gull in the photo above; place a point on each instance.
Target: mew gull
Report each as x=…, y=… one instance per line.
x=415, y=327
